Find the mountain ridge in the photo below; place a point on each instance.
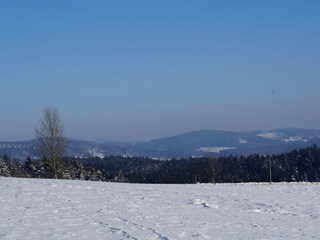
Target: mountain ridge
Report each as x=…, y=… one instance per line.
x=206, y=142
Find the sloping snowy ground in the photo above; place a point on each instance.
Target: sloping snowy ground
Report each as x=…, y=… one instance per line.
x=61, y=209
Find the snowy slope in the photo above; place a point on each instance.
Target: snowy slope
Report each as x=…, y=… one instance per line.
x=61, y=209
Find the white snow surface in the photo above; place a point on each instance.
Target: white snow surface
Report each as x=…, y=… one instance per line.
x=214, y=149
x=243, y=141
x=269, y=135
x=65, y=209
x=295, y=139
x=95, y=153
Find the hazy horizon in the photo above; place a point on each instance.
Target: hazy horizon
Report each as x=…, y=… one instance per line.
x=140, y=70
x=163, y=136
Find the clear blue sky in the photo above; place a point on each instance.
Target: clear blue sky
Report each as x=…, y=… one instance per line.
x=138, y=70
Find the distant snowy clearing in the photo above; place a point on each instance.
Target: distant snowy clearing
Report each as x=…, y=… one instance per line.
x=40, y=209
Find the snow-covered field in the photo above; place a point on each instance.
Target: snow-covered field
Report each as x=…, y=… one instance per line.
x=62, y=209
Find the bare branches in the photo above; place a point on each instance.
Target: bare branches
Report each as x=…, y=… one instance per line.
x=51, y=143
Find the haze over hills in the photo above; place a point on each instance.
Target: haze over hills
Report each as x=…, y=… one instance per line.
x=193, y=144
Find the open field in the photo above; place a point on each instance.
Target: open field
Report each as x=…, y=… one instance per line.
x=62, y=209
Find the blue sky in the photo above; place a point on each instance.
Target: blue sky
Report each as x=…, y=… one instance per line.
x=138, y=70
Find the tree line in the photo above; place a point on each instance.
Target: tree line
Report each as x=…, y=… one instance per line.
x=297, y=165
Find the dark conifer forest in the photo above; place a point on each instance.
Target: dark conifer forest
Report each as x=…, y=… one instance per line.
x=297, y=165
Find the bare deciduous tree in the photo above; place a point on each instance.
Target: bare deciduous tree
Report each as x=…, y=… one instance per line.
x=50, y=140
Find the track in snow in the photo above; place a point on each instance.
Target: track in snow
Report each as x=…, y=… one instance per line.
x=61, y=209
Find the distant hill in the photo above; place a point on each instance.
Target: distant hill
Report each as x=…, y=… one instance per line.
x=214, y=142
x=196, y=144
x=78, y=148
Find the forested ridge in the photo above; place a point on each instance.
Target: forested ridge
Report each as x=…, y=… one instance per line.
x=297, y=165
